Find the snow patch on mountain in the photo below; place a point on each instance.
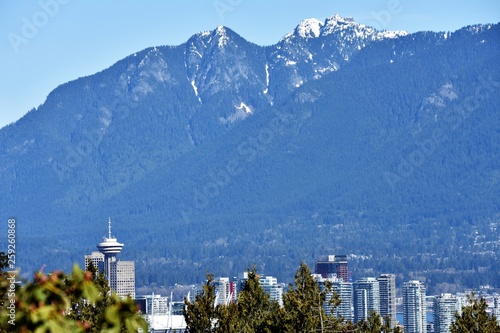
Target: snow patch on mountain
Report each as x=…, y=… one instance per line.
x=242, y=112
x=244, y=107
x=195, y=88
x=391, y=34
x=223, y=38
x=477, y=28
x=267, y=79
x=336, y=24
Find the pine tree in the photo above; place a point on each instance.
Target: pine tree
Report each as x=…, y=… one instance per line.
x=200, y=314
x=253, y=311
x=304, y=304
x=257, y=312
x=474, y=318
x=373, y=324
x=227, y=319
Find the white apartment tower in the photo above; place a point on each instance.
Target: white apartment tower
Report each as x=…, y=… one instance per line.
x=223, y=292
x=268, y=283
x=414, y=307
x=343, y=290
x=387, y=287
x=97, y=259
x=445, y=307
x=272, y=288
x=366, y=298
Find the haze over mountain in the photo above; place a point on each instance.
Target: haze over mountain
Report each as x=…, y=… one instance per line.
x=219, y=154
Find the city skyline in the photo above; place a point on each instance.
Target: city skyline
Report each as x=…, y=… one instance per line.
x=358, y=298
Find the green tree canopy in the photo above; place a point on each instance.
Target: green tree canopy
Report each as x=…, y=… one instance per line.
x=200, y=313
x=304, y=303
x=302, y=310
x=474, y=318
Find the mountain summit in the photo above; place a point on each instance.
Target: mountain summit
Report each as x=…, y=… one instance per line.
x=219, y=154
x=346, y=27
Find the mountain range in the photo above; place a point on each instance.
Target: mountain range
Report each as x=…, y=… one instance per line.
x=219, y=155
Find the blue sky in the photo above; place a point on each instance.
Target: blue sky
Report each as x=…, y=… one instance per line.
x=45, y=43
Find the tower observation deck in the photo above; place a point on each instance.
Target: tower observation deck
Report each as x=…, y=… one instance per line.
x=110, y=248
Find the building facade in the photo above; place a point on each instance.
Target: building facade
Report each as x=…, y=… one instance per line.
x=156, y=305
x=122, y=278
x=97, y=259
x=225, y=290
x=414, y=307
x=344, y=292
x=333, y=264
x=272, y=288
x=268, y=283
x=366, y=298
x=387, y=288
x=445, y=307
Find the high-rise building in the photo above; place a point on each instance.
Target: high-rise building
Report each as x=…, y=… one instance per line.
x=97, y=259
x=366, y=298
x=122, y=278
x=445, y=307
x=387, y=287
x=272, y=288
x=225, y=291
x=333, y=264
x=344, y=292
x=120, y=274
x=268, y=283
x=414, y=307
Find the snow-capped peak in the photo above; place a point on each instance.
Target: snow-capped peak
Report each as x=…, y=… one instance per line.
x=222, y=34
x=337, y=19
x=309, y=28
x=392, y=33
x=220, y=30
x=338, y=23
x=313, y=28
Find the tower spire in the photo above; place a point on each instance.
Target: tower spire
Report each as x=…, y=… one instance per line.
x=109, y=227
